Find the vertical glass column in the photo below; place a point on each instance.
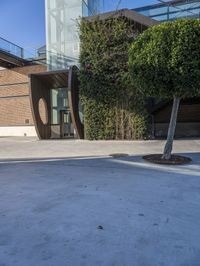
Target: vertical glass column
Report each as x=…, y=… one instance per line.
x=62, y=30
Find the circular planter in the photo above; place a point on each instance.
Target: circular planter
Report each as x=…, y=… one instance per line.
x=175, y=159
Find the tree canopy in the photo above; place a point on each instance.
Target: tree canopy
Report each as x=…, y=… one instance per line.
x=164, y=60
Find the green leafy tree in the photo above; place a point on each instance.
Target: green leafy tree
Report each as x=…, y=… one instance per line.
x=164, y=62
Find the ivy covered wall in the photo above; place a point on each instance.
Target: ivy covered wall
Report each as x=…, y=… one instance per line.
x=112, y=108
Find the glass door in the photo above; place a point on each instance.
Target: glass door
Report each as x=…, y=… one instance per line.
x=61, y=122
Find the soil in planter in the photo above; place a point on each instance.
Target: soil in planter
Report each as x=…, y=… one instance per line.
x=175, y=159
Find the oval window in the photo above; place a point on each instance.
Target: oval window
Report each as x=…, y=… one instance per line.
x=42, y=106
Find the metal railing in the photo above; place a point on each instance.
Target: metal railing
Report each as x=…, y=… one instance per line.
x=11, y=48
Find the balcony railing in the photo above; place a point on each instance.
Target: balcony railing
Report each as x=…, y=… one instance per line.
x=11, y=48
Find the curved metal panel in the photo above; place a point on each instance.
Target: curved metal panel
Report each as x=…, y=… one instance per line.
x=73, y=96
x=39, y=91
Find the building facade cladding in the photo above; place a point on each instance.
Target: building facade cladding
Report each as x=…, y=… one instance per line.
x=62, y=30
x=172, y=10
x=15, y=111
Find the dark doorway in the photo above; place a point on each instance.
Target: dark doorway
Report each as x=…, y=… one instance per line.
x=66, y=127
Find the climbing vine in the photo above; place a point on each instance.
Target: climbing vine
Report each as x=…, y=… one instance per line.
x=112, y=108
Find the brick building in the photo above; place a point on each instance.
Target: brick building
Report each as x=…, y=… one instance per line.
x=15, y=110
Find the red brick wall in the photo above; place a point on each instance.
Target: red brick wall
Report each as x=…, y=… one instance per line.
x=15, y=112
x=14, y=90
x=15, y=107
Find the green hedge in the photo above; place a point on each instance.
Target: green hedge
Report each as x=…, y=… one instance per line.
x=112, y=108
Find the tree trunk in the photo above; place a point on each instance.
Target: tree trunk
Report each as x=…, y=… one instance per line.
x=171, y=130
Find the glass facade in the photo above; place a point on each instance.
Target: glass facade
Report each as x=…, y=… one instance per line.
x=172, y=10
x=62, y=30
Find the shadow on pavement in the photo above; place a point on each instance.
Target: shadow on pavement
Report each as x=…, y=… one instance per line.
x=105, y=162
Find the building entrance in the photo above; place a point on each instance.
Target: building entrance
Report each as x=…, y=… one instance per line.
x=59, y=90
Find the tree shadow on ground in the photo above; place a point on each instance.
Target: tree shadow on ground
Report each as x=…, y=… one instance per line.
x=129, y=163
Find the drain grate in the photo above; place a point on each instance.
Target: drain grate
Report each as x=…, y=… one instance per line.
x=118, y=155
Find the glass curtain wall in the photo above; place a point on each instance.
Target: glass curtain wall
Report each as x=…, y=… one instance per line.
x=62, y=30
x=172, y=10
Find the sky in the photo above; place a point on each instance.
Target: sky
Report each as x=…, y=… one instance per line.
x=23, y=21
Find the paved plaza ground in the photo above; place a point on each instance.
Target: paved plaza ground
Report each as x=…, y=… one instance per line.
x=68, y=203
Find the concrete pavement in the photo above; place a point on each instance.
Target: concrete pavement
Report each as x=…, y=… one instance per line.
x=25, y=147
x=101, y=211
